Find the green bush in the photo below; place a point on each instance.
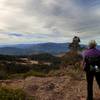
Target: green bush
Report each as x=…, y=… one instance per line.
x=9, y=94
x=3, y=74
x=35, y=73
x=17, y=68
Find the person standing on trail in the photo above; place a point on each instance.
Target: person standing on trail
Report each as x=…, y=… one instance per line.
x=91, y=63
x=75, y=44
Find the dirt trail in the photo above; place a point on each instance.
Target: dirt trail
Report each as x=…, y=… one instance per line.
x=53, y=88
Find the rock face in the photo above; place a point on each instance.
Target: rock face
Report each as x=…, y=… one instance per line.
x=75, y=43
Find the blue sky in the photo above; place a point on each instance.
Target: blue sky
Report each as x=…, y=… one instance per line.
x=38, y=21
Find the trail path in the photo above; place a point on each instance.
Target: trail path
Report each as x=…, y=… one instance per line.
x=53, y=88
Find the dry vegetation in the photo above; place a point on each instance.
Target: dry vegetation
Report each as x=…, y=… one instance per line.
x=66, y=82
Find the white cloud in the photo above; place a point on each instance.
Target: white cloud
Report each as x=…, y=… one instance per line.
x=58, y=19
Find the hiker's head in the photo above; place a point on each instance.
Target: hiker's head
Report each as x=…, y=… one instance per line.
x=92, y=44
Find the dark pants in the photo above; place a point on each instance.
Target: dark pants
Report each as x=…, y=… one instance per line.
x=90, y=76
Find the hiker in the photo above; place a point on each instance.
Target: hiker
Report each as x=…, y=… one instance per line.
x=92, y=67
x=76, y=39
x=75, y=43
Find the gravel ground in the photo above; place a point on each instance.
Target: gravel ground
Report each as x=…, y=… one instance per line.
x=53, y=88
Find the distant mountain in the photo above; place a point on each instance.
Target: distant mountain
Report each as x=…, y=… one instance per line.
x=29, y=49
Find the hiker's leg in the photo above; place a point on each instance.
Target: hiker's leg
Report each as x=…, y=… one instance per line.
x=89, y=76
x=97, y=75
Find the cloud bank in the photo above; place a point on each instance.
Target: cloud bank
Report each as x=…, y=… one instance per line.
x=23, y=21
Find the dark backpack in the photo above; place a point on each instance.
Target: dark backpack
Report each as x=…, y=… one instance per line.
x=91, y=62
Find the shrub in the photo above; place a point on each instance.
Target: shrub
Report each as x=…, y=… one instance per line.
x=71, y=58
x=9, y=94
x=17, y=68
x=3, y=74
x=35, y=73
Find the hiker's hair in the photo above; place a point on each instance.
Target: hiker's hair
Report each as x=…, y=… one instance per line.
x=92, y=44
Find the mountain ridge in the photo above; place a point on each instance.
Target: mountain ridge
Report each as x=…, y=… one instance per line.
x=28, y=49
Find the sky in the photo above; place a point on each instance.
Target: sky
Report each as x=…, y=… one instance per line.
x=39, y=21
